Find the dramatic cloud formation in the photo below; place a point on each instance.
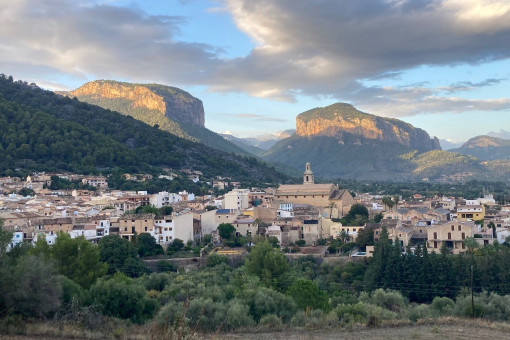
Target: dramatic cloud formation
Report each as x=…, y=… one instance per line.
x=327, y=48
x=69, y=38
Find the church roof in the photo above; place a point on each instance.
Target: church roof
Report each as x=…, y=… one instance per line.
x=301, y=189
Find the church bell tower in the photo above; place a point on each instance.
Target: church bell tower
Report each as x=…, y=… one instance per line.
x=308, y=175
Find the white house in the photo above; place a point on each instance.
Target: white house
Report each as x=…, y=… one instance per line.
x=164, y=198
x=178, y=225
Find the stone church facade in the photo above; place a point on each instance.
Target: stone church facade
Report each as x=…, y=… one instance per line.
x=319, y=195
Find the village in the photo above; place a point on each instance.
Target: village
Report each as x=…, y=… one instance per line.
x=306, y=214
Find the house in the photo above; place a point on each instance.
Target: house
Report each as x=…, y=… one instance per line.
x=451, y=233
x=164, y=198
x=470, y=212
x=131, y=224
x=236, y=199
x=226, y=216
x=245, y=226
x=96, y=181
x=179, y=225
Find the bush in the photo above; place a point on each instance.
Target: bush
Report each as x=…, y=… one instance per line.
x=417, y=312
x=363, y=313
x=215, y=259
x=165, y=266
x=388, y=299
x=238, y=315
x=121, y=297
x=300, y=243
x=263, y=301
x=270, y=322
x=442, y=305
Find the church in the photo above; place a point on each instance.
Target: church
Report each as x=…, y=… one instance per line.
x=319, y=195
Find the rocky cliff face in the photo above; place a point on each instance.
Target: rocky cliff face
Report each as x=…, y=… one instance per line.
x=172, y=102
x=335, y=119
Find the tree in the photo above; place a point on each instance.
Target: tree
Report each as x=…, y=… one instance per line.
x=5, y=239
x=388, y=202
x=471, y=244
x=147, y=245
x=31, y=287
x=226, y=231
x=120, y=255
x=274, y=241
x=121, y=297
x=307, y=294
x=269, y=264
x=78, y=259
x=176, y=245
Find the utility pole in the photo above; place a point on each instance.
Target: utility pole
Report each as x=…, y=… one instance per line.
x=472, y=295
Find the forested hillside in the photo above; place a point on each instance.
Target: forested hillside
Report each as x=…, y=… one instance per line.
x=40, y=130
x=169, y=108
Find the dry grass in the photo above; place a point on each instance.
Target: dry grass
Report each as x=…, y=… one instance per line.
x=431, y=329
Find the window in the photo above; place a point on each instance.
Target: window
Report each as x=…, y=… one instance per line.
x=435, y=237
x=145, y=228
x=453, y=227
x=449, y=236
x=463, y=236
x=435, y=244
x=458, y=227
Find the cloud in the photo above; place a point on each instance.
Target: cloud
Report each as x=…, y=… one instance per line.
x=253, y=116
x=326, y=48
x=101, y=40
x=468, y=85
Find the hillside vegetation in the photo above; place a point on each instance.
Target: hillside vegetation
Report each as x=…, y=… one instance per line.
x=355, y=157
x=40, y=130
x=486, y=148
x=169, y=108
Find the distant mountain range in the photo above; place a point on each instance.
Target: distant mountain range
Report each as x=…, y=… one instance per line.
x=339, y=140
x=169, y=108
x=342, y=142
x=43, y=131
x=259, y=144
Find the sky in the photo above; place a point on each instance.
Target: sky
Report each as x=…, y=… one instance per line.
x=441, y=65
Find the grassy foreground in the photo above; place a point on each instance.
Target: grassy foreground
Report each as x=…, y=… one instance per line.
x=442, y=328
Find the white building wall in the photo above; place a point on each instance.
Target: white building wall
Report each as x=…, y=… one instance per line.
x=183, y=226
x=236, y=199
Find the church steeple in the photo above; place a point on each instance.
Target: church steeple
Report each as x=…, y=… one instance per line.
x=308, y=175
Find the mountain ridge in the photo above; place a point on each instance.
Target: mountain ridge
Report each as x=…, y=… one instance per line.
x=166, y=107
x=338, y=118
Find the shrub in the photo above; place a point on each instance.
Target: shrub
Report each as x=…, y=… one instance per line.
x=363, y=313
x=417, y=312
x=121, y=297
x=271, y=322
x=215, y=259
x=388, y=299
x=238, y=315
x=442, y=305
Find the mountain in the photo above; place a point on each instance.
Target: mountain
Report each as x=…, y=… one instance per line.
x=241, y=142
x=447, y=144
x=486, y=148
x=333, y=120
x=43, y=131
x=342, y=142
x=169, y=108
x=261, y=142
